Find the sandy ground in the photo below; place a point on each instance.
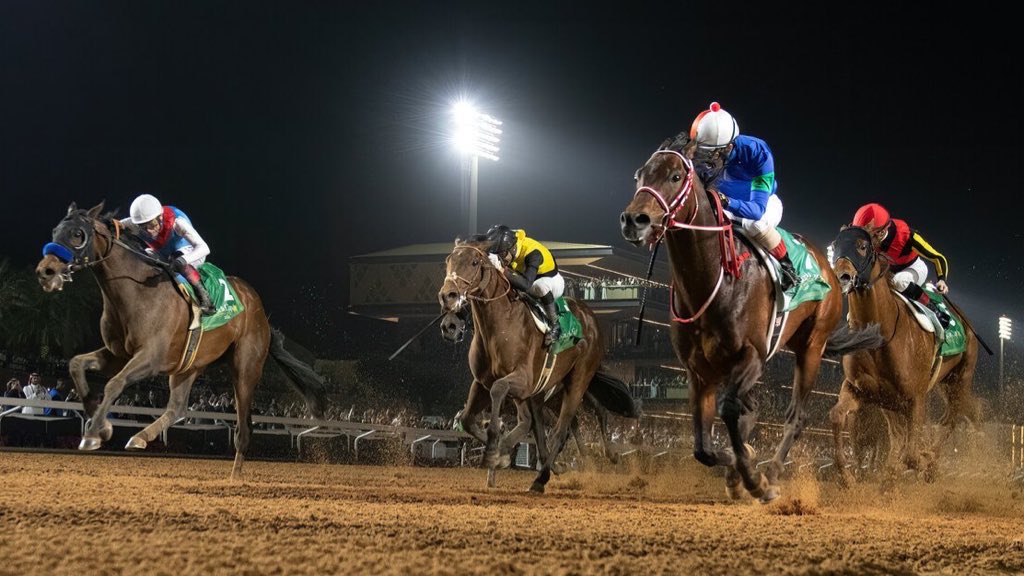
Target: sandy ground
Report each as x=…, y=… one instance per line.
x=82, y=514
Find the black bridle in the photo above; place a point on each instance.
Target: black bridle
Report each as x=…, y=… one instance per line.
x=73, y=243
x=849, y=245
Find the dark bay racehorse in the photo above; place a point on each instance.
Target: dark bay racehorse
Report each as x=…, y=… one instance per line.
x=144, y=329
x=899, y=375
x=722, y=329
x=506, y=356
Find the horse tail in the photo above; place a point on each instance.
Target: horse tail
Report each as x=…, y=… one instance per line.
x=613, y=395
x=844, y=341
x=301, y=375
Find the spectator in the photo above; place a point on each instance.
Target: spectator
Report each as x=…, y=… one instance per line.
x=14, y=389
x=34, y=390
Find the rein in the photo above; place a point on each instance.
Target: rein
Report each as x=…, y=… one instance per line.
x=730, y=261
x=466, y=287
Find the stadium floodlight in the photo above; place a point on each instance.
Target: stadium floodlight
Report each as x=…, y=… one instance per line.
x=1005, y=332
x=475, y=135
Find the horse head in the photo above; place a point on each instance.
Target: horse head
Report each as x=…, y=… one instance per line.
x=664, y=186
x=72, y=247
x=854, y=255
x=467, y=269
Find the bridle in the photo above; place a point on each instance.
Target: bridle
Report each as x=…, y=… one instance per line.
x=78, y=257
x=468, y=288
x=668, y=223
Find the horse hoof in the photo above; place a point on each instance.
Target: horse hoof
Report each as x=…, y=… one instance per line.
x=90, y=443
x=537, y=488
x=771, y=493
x=136, y=443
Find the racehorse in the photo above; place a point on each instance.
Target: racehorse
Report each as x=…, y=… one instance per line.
x=899, y=375
x=144, y=327
x=721, y=335
x=507, y=355
x=601, y=393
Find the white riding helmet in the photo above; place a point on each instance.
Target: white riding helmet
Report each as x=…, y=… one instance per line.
x=714, y=128
x=145, y=208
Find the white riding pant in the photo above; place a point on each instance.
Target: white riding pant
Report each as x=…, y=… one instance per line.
x=554, y=285
x=916, y=273
x=763, y=229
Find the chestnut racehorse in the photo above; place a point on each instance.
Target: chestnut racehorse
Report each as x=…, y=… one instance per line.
x=899, y=375
x=507, y=355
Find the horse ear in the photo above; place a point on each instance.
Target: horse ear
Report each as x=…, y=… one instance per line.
x=665, y=144
x=844, y=227
x=71, y=208
x=95, y=211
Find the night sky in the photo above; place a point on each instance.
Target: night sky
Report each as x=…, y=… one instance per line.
x=296, y=136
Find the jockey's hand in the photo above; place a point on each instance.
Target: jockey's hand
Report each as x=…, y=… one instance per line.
x=179, y=264
x=724, y=200
x=942, y=287
x=495, y=261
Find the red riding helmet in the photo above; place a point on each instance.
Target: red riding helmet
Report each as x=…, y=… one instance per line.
x=873, y=215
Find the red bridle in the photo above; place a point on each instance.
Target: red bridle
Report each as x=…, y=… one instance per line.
x=730, y=262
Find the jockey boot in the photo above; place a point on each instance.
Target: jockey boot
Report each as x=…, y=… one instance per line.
x=789, y=276
x=942, y=315
x=551, y=310
x=205, y=305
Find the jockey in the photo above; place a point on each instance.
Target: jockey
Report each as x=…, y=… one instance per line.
x=904, y=247
x=741, y=170
x=531, y=269
x=169, y=233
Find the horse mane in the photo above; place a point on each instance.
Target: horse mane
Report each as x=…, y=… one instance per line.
x=677, y=143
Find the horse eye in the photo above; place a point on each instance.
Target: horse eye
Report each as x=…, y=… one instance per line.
x=476, y=262
x=676, y=177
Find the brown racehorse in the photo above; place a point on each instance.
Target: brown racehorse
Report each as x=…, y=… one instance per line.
x=603, y=392
x=723, y=342
x=144, y=327
x=506, y=356
x=899, y=375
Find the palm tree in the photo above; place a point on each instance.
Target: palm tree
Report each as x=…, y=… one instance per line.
x=39, y=323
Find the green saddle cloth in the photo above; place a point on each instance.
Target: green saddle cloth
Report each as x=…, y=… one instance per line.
x=572, y=330
x=812, y=286
x=222, y=295
x=955, y=337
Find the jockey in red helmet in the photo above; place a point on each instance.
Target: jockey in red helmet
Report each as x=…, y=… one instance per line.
x=906, y=250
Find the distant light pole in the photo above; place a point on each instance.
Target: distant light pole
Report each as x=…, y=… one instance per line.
x=1005, y=331
x=476, y=135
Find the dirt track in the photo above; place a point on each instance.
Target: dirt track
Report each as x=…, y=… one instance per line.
x=102, y=514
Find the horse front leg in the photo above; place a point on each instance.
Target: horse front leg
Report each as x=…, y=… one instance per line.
x=99, y=428
x=513, y=438
x=476, y=403
x=499, y=390
x=177, y=404
x=738, y=410
x=103, y=361
x=840, y=416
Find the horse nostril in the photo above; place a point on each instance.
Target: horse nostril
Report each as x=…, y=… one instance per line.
x=452, y=296
x=845, y=277
x=643, y=220
x=48, y=272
